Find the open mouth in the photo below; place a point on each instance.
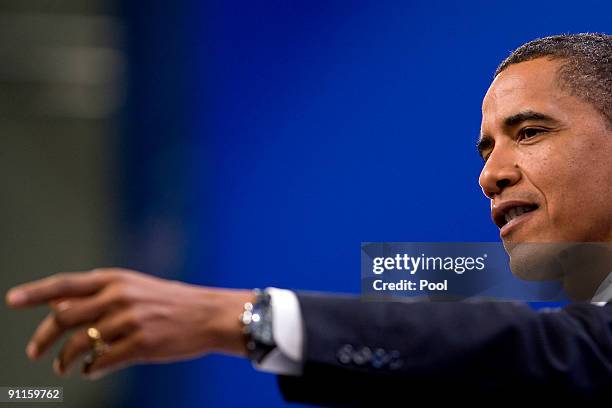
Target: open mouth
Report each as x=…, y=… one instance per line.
x=509, y=213
x=517, y=212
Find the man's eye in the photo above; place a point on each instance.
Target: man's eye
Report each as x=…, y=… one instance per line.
x=528, y=133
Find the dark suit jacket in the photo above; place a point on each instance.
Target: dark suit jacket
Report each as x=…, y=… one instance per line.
x=378, y=353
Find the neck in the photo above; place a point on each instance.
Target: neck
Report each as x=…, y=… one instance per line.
x=585, y=266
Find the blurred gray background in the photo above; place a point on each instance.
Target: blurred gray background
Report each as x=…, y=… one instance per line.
x=61, y=82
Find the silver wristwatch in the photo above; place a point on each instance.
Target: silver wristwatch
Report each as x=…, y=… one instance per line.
x=257, y=326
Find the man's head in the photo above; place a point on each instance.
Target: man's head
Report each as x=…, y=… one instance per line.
x=546, y=137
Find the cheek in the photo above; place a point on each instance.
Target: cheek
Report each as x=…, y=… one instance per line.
x=555, y=174
x=542, y=168
x=594, y=187
x=589, y=169
x=575, y=180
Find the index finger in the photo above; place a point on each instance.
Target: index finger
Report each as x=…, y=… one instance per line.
x=56, y=286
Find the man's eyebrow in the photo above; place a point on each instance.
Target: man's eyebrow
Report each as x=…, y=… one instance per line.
x=520, y=117
x=485, y=142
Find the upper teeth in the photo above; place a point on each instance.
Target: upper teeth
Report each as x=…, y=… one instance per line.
x=515, y=212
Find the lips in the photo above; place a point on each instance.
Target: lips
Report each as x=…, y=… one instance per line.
x=509, y=213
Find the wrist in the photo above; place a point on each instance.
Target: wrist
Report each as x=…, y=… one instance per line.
x=225, y=329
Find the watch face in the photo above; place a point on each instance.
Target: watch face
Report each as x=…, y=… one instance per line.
x=261, y=324
x=264, y=334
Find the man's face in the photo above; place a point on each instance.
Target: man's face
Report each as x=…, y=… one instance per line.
x=548, y=169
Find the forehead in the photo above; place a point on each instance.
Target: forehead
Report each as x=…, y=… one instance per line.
x=528, y=85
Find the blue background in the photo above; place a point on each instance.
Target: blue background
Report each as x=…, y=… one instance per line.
x=265, y=140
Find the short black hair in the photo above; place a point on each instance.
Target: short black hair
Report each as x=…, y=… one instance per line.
x=586, y=71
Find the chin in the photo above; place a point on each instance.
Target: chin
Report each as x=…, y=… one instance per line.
x=536, y=261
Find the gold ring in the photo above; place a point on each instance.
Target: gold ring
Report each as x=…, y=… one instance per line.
x=98, y=347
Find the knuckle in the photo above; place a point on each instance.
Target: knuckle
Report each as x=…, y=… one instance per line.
x=63, y=320
x=111, y=273
x=122, y=292
x=133, y=318
x=99, y=271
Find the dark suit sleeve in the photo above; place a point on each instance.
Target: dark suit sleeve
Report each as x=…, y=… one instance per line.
x=370, y=352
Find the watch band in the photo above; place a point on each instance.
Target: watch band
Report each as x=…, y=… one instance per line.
x=257, y=326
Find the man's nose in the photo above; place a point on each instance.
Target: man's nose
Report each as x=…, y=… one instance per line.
x=499, y=172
